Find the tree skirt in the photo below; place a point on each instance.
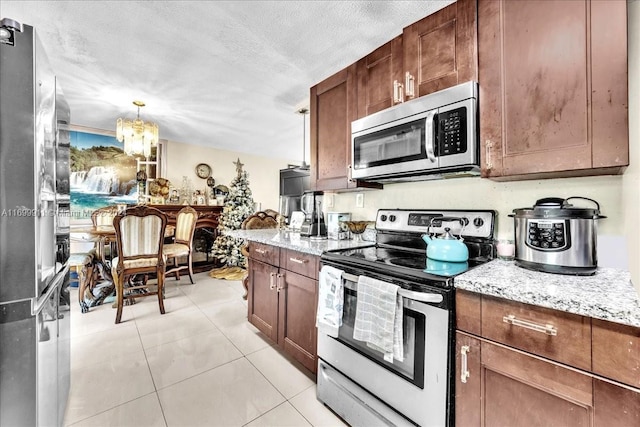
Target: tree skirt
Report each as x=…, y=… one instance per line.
x=228, y=273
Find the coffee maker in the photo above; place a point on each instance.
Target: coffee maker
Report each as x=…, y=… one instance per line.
x=313, y=225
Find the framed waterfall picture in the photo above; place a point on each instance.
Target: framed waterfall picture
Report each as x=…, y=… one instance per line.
x=102, y=174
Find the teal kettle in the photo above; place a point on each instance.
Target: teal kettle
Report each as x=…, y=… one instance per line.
x=446, y=247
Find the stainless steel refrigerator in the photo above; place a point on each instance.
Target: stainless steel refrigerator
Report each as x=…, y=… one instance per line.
x=34, y=234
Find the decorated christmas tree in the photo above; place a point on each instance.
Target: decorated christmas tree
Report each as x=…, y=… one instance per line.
x=238, y=205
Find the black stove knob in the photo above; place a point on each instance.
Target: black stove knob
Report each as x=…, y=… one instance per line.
x=392, y=218
x=478, y=222
x=383, y=217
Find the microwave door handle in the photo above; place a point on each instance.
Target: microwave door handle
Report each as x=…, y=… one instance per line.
x=430, y=138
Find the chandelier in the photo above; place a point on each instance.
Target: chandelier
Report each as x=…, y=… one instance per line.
x=138, y=136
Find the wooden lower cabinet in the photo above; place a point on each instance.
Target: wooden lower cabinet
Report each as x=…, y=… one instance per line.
x=297, y=301
x=510, y=375
x=282, y=303
x=262, y=300
x=507, y=387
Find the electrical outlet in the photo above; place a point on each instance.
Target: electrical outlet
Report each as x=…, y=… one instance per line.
x=359, y=200
x=328, y=200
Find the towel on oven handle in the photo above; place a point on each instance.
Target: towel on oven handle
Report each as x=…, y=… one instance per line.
x=330, y=301
x=379, y=317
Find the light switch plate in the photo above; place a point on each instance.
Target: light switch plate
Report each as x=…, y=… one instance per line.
x=359, y=200
x=328, y=200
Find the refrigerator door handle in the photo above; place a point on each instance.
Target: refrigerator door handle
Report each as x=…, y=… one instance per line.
x=38, y=303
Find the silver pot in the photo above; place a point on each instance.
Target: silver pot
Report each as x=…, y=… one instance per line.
x=555, y=237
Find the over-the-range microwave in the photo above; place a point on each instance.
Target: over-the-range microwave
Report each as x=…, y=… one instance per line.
x=430, y=137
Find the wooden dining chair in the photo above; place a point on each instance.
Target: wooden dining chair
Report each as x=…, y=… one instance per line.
x=182, y=243
x=139, y=239
x=104, y=217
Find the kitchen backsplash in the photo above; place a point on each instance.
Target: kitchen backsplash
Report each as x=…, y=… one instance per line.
x=478, y=193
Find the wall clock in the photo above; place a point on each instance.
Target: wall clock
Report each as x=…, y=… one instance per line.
x=203, y=170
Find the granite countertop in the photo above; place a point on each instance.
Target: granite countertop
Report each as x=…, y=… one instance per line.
x=607, y=295
x=292, y=240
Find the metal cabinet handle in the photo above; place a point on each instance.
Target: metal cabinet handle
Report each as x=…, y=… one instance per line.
x=409, y=85
x=261, y=251
x=397, y=92
x=280, y=281
x=298, y=260
x=464, y=369
x=488, y=145
x=272, y=283
x=546, y=329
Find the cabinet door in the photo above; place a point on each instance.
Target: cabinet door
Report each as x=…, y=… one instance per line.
x=377, y=73
x=440, y=50
x=468, y=388
x=333, y=108
x=553, y=87
x=523, y=390
x=297, y=317
x=262, y=298
x=615, y=405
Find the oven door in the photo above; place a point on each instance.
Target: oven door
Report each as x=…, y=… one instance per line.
x=418, y=387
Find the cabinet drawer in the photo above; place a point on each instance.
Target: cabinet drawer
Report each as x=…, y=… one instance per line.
x=616, y=352
x=299, y=262
x=265, y=253
x=557, y=335
x=468, y=312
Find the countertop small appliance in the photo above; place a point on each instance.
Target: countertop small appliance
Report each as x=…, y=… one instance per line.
x=314, y=224
x=555, y=236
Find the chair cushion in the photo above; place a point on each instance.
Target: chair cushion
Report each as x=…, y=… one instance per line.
x=175, y=249
x=133, y=263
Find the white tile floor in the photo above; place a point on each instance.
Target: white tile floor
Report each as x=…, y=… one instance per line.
x=200, y=364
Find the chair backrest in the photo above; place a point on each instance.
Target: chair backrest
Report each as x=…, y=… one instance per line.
x=185, y=225
x=140, y=233
x=104, y=216
x=259, y=220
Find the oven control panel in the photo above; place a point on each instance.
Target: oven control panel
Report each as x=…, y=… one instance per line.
x=466, y=223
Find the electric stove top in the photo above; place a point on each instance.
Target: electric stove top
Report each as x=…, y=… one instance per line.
x=400, y=251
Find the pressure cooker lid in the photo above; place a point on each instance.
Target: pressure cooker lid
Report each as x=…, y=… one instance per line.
x=555, y=207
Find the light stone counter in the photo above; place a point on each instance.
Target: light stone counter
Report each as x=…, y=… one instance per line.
x=290, y=240
x=607, y=295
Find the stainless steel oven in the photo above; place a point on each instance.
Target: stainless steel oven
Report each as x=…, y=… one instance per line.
x=424, y=138
x=421, y=378
x=356, y=381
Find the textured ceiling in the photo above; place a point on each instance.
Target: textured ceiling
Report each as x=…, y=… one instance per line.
x=225, y=74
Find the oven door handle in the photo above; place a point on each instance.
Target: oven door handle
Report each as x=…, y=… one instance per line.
x=404, y=293
x=420, y=296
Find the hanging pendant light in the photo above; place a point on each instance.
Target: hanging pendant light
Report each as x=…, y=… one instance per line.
x=138, y=136
x=304, y=166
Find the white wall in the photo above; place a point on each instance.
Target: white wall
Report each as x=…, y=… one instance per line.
x=619, y=196
x=264, y=178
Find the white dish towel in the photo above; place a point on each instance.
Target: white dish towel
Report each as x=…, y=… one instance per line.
x=379, y=317
x=330, y=301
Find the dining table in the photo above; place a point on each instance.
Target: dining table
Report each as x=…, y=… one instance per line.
x=100, y=264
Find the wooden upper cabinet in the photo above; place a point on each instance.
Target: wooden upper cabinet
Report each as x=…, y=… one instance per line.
x=440, y=49
x=377, y=73
x=333, y=108
x=553, y=88
x=435, y=53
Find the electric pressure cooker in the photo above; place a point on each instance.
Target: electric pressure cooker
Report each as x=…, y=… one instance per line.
x=556, y=237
